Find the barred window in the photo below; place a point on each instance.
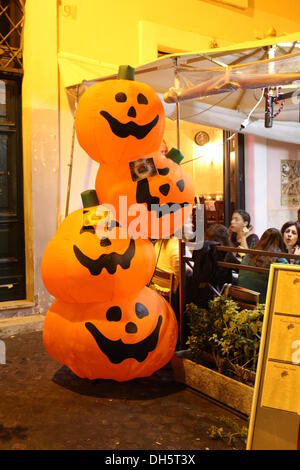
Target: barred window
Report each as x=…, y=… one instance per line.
x=11, y=35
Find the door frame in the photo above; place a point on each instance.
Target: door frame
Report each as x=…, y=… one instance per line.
x=233, y=187
x=25, y=179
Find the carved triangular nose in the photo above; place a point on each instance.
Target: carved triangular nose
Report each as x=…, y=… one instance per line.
x=105, y=241
x=131, y=112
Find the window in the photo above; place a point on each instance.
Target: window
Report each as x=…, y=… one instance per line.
x=11, y=39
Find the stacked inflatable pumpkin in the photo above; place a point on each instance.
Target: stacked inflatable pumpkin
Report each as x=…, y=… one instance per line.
x=105, y=323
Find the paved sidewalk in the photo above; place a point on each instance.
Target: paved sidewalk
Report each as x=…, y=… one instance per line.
x=44, y=406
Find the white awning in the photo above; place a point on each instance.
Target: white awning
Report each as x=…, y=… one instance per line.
x=224, y=100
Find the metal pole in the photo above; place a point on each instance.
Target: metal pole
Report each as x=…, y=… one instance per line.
x=226, y=178
x=71, y=156
x=270, y=93
x=181, y=244
x=176, y=84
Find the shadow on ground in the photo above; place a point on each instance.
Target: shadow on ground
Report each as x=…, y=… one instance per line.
x=9, y=433
x=160, y=384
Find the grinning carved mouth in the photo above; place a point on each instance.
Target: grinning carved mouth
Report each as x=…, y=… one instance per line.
x=143, y=195
x=108, y=261
x=117, y=351
x=129, y=128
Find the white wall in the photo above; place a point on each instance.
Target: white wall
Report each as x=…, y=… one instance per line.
x=263, y=182
x=40, y=140
x=206, y=172
x=276, y=151
x=256, y=182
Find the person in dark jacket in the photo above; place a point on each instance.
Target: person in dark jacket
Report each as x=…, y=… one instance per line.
x=206, y=272
x=219, y=233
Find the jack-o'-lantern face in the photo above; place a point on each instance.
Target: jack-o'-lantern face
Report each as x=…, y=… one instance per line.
x=121, y=339
x=118, y=120
x=118, y=350
x=82, y=264
x=167, y=197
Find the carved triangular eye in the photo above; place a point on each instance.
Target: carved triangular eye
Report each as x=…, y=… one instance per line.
x=180, y=185
x=163, y=171
x=114, y=314
x=89, y=228
x=141, y=99
x=140, y=310
x=121, y=97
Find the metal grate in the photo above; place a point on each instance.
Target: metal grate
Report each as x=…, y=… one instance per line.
x=11, y=35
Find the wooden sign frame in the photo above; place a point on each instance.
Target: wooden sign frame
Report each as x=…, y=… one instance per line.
x=275, y=412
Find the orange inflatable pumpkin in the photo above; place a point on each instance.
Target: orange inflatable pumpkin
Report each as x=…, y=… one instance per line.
x=119, y=120
x=122, y=339
x=167, y=197
x=79, y=266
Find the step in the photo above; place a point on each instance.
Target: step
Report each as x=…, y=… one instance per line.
x=16, y=325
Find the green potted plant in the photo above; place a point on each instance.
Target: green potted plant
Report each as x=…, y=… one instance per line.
x=222, y=354
x=228, y=335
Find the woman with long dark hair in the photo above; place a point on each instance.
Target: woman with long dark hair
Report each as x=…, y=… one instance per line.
x=271, y=240
x=290, y=232
x=241, y=230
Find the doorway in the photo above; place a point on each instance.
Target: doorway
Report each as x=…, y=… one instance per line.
x=12, y=248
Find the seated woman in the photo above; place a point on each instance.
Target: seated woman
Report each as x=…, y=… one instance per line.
x=290, y=232
x=240, y=229
x=271, y=240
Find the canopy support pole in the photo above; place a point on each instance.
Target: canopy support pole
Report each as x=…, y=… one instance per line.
x=70, y=165
x=181, y=243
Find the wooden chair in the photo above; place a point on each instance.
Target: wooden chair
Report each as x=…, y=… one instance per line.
x=210, y=217
x=215, y=215
x=163, y=282
x=219, y=205
x=245, y=298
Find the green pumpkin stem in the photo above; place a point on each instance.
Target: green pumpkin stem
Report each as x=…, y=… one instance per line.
x=89, y=198
x=175, y=155
x=126, y=72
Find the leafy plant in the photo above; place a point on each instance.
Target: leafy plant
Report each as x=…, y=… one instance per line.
x=230, y=336
x=230, y=430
